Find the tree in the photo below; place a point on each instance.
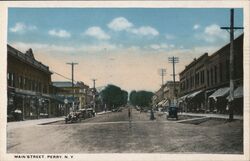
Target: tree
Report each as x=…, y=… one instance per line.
x=141, y=98
x=132, y=98
x=114, y=96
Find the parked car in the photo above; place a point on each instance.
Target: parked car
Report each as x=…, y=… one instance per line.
x=172, y=112
x=72, y=117
x=90, y=112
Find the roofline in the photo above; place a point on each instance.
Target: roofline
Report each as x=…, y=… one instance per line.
x=27, y=62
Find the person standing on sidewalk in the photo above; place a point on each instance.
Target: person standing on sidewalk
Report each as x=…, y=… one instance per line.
x=129, y=113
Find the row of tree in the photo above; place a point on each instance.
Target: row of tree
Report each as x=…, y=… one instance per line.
x=140, y=98
x=114, y=96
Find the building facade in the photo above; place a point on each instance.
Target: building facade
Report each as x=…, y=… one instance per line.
x=163, y=97
x=79, y=96
x=209, y=75
x=29, y=83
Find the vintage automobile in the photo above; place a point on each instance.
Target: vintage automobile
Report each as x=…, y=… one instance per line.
x=172, y=112
x=72, y=117
x=90, y=112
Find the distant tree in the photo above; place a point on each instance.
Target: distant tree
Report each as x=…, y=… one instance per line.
x=114, y=96
x=141, y=98
x=132, y=98
x=125, y=97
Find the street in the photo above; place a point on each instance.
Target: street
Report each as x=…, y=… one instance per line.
x=114, y=133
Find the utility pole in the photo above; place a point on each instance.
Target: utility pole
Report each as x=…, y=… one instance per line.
x=231, y=30
x=162, y=73
x=93, y=83
x=72, y=72
x=173, y=60
x=94, y=90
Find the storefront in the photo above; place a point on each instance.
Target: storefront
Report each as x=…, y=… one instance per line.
x=217, y=101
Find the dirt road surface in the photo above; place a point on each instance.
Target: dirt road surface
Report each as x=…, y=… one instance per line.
x=114, y=133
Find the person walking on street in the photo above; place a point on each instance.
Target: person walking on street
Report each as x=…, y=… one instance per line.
x=129, y=113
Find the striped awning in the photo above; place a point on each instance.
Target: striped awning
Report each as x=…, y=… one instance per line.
x=222, y=92
x=238, y=93
x=194, y=94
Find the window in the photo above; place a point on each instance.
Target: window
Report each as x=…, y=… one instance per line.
x=212, y=77
x=227, y=69
x=9, y=79
x=202, y=77
x=208, y=77
x=24, y=83
x=20, y=82
x=221, y=71
x=198, y=78
x=14, y=79
x=215, y=74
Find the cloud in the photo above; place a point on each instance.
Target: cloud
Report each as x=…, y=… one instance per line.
x=122, y=24
x=213, y=34
x=144, y=31
x=161, y=46
x=169, y=36
x=64, y=49
x=21, y=27
x=119, y=24
x=59, y=33
x=97, y=33
x=196, y=26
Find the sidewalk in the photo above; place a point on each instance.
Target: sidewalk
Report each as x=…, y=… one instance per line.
x=103, y=112
x=19, y=124
x=224, y=116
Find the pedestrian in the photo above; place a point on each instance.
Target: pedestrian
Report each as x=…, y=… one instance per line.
x=105, y=108
x=152, y=117
x=129, y=113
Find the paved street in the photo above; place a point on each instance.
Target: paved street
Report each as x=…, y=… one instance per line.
x=113, y=133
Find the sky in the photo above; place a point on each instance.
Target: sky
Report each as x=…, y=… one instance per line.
x=121, y=46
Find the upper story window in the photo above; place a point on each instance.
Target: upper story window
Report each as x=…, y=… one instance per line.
x=208, y=77
x=215, y=74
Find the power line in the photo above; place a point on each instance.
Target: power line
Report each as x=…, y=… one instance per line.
x=61, y=75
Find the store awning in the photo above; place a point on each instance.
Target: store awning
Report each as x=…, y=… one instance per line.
x=238, y=92
x=161, y=102
x=181, y=99
x=192, y=95
x=166, y=103
x=220, y=93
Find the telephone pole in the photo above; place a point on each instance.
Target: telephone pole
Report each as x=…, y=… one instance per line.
x=162, y=73
x=173, y=60
x=94, y=93
x=231, y=30
x=93, y=83
x=72, y=72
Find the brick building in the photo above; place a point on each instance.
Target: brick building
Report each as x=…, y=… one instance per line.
x=204, y=83
x=29, y=84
